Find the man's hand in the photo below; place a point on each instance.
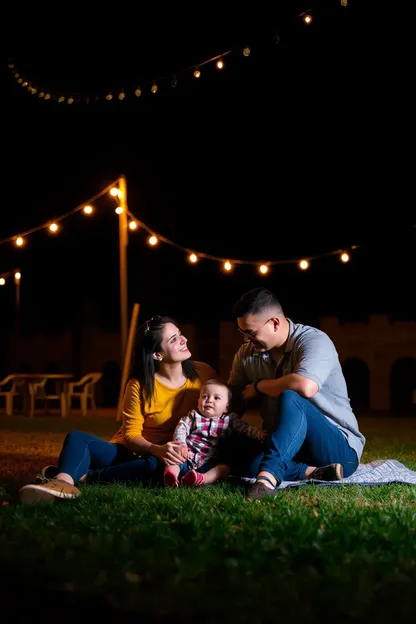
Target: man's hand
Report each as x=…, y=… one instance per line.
x=249, y=392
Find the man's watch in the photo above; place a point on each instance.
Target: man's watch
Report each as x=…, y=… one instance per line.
x=256, y=388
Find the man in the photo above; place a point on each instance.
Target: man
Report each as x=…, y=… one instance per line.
x=296, y=371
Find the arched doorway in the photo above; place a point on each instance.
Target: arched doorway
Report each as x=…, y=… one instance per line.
x=357, y=376
x=403, y=384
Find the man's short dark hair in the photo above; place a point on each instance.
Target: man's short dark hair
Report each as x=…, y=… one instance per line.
x=256, y=301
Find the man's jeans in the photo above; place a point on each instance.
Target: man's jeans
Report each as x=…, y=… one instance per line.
x=302, y=436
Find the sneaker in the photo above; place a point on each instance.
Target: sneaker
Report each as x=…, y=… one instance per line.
x=49, y=491
x=332, y=472
x=258, y=490
x=47, y=473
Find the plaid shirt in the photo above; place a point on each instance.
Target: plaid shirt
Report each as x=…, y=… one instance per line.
x=201, y=434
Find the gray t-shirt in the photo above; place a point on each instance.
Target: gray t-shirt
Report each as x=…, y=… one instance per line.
x=311, y=353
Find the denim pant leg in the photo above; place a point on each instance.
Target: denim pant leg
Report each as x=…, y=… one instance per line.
x=82, y=451
x=304, y=436
x=146, y=469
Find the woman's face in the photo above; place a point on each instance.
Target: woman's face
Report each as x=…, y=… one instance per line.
x=174, y=345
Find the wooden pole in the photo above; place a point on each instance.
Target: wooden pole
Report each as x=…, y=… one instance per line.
x=127, y=358
x=123, y=242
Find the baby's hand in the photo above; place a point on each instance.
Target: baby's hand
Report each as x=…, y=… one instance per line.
x=184, y=452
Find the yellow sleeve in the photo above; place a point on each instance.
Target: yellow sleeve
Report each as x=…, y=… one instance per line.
x=133, y=418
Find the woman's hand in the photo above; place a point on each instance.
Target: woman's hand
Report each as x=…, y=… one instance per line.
x=170, y=453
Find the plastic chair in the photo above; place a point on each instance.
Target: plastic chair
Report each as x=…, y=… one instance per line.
x=37, y=392
x=84, y=389
x=12, y=392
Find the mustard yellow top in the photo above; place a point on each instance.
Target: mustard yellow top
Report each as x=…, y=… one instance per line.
x=161, y=416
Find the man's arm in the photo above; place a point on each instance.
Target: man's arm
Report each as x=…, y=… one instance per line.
x=237, y=382
x=317, y=359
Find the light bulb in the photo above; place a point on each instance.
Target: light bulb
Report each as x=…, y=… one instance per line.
x=114, y=192
x=109, y=97
x=228, y=266
x=193, y=258
x=220, y=64
x=61, y=99
x=263, y=269
x=87, y=210
x=47, y=96
x=304, y=264
x=153, y=241
x=119, y=210
x=154, y=88
x=197, y=73
x=2, y=281
x=307, y=19
x=138, y=92
x=344, y=3
x=345, y=257
x=133, y=225
x=19, y=241
x=53, y=227
x=246, y=51
x=70, y=100
x=17, y=276
x=121, y=95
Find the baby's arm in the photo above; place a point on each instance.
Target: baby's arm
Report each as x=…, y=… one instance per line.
x=182, y=430
x=240, y=427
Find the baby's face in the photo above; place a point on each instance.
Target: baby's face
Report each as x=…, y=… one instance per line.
x=213, y=401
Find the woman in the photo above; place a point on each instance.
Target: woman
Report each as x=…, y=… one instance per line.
x=164, y=388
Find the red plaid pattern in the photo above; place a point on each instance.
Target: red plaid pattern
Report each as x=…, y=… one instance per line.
x=200, y=434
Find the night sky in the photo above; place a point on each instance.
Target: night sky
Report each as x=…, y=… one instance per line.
x=290, y=152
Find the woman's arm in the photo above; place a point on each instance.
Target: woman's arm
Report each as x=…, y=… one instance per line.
x=132, y=428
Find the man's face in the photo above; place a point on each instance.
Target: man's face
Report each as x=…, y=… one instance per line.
x=260, y=329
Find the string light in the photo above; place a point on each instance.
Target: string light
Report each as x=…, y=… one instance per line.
x=2, y=281
x=109, y=95
x=154, y=238
x=344, y=3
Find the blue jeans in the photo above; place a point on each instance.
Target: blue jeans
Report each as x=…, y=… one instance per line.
x=82, y=452
x=302, y=436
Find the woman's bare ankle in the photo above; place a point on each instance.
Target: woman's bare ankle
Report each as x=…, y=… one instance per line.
x=63, y=476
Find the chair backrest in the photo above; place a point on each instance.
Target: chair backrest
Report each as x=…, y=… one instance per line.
x=91, y=378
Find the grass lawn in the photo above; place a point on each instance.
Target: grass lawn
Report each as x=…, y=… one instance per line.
x=311, y=555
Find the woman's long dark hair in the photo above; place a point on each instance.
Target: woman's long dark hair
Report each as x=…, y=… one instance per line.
x=148, y=342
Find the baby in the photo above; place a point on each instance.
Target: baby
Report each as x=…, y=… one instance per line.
x=199, y=433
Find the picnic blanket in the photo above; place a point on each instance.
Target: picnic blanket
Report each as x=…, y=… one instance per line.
x=378, y=472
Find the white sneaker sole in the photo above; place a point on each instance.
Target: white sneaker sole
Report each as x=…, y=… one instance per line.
x=33, y=494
